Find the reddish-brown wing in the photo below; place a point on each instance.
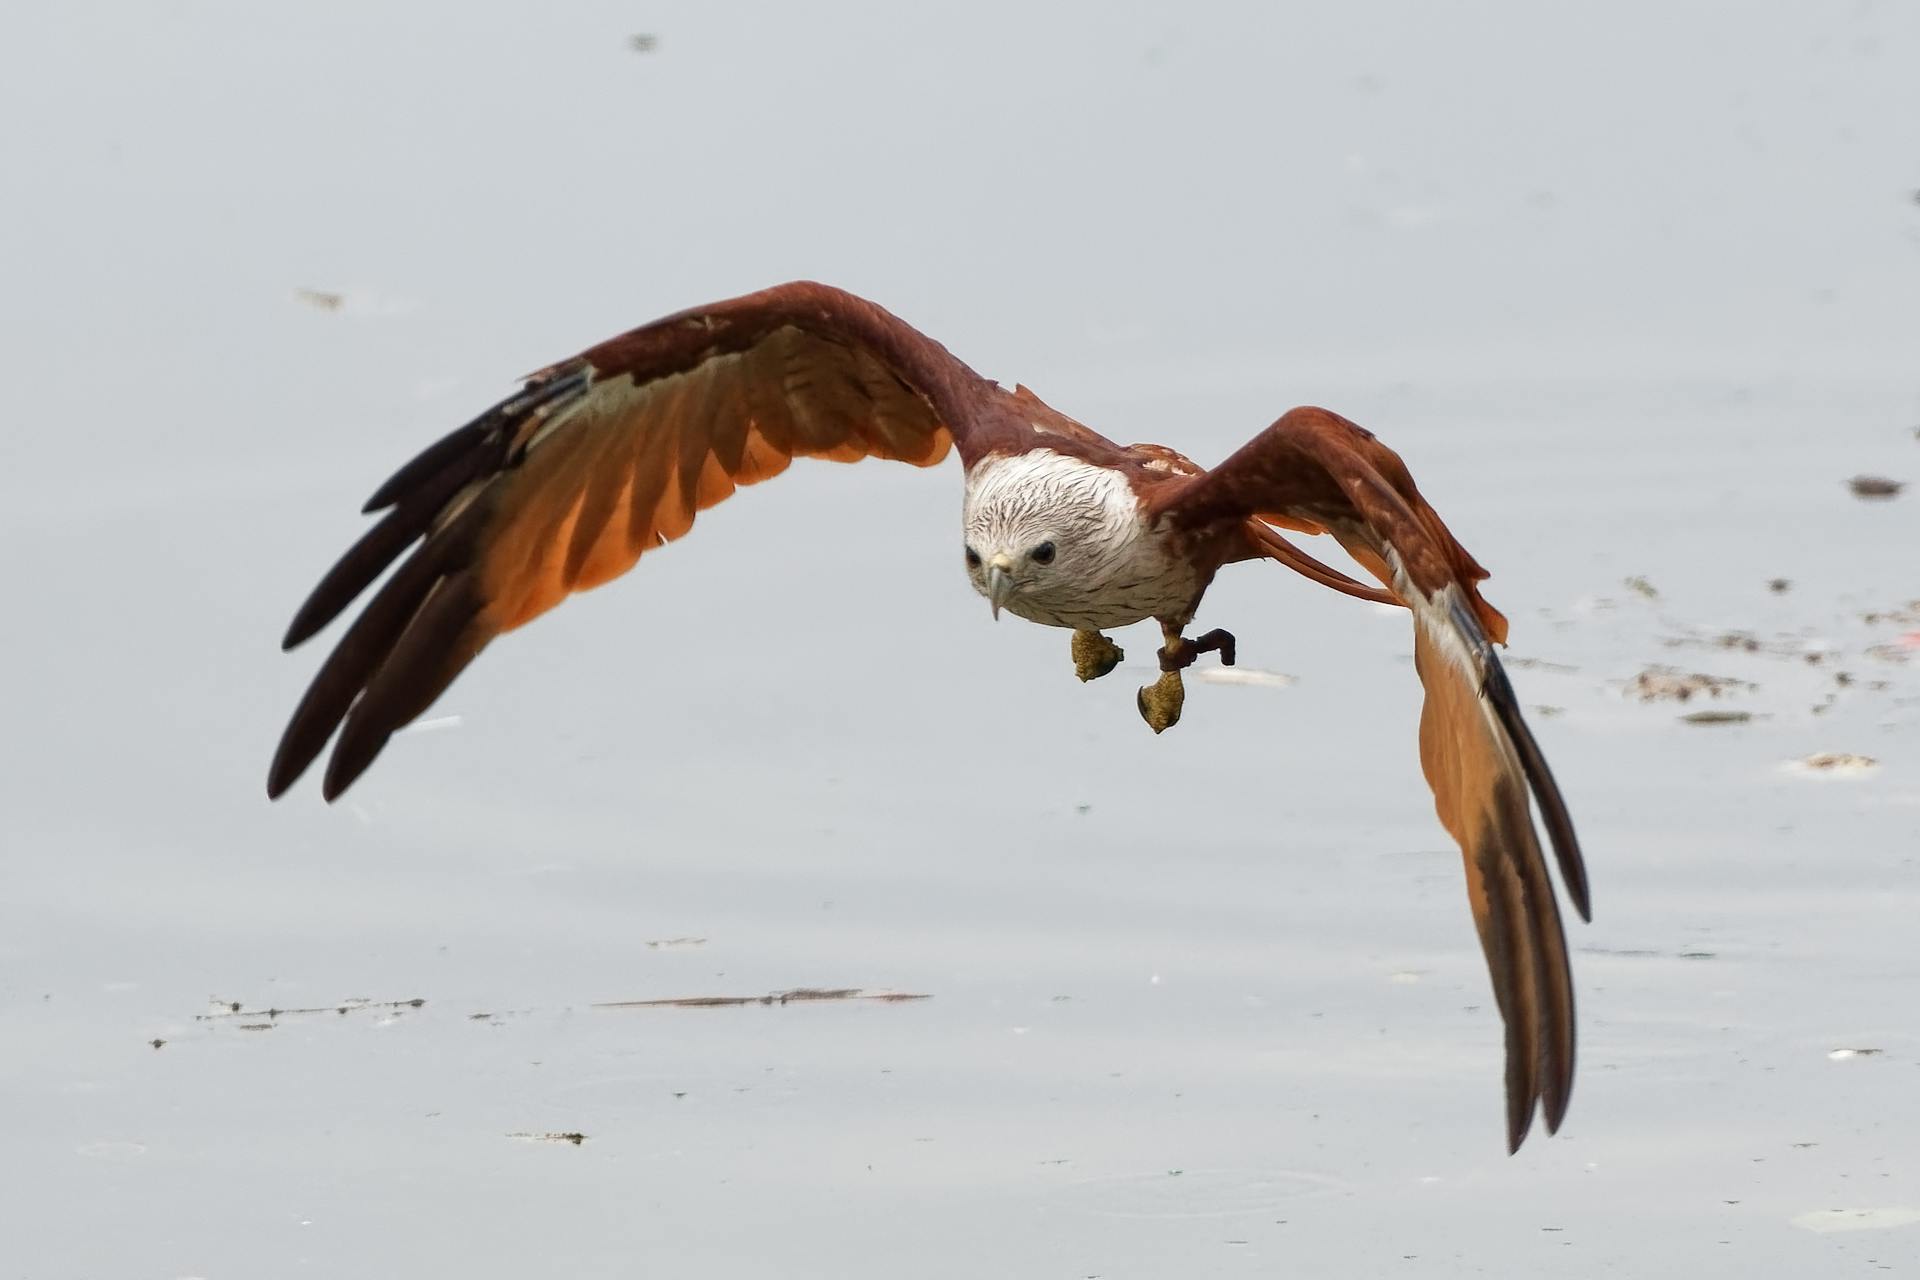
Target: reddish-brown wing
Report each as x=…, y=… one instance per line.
x=598, y=460
x=1315, y=470
x=1055, y=429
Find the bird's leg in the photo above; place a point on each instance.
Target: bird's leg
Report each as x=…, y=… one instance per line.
x=1160, y=702
x=1179, y=653
x=1094, y=655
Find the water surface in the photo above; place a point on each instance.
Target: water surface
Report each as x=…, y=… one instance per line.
x=1632, y=292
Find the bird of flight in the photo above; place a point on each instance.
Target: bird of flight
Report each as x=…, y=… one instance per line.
x=603, y=457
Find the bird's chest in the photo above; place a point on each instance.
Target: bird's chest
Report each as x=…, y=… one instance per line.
x=1136, y=574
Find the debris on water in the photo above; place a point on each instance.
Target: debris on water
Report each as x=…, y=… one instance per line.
x=1670, y=684
x=1539, y=664
x=1650, y=953
x=1783, y=646
x=1717, y=717
x=1908, y=612
x=1824, y=1220
x=575, y=1138
x=1779, y=586
x=1244, y=675
x=157, y=1042
x=1083, y=809
x=799, y=995
x=1641, y=587
x=1875, y=488
x=1834, y=763
x=255, y=1026
x=1841, y=1055
x=675, y=944
x=321, y=299
x=643, y=42
x=1900, y=651
x=1546, y=710
x=234, y=1009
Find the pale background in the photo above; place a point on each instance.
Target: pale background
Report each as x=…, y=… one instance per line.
x=1632, y=287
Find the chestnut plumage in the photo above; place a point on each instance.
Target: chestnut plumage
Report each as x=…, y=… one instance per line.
x=600, y=458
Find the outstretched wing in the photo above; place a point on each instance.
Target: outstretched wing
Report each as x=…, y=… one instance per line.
x=1313, y=469
x=598, y=460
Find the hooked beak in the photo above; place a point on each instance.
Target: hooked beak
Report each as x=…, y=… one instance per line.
x=999, y=583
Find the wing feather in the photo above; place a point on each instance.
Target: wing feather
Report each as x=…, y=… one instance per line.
x=611, y=457
x=596, y=461
x=438, y=643
x=1315, y=470
x=1480, y=795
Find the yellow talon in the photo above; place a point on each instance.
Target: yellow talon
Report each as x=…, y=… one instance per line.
x=1094, y=655
x=1160, y=702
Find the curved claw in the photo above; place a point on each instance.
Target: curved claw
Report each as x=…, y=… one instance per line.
x=1161, y=701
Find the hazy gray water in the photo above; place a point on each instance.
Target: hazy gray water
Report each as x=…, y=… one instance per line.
x=1633, y=293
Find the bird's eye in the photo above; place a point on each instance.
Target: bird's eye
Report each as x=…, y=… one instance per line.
x=1043, y=554
x=973, y=558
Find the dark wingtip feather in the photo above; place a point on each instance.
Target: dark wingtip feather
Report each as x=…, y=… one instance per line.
x=362, y=651
x=1519, y=1099
x=1546, y=792
x=362, y=563
x=345, y=767
x=349, y=692
x=1556, y=1091
x=430, y=461
x=418, y=493
x=279, y=778
x=302, y=741
x=1527, y=958
x=438, y=643
x=1554, y=1105
x=305, y=736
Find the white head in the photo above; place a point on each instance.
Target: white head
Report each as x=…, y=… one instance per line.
x=1044, y=532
